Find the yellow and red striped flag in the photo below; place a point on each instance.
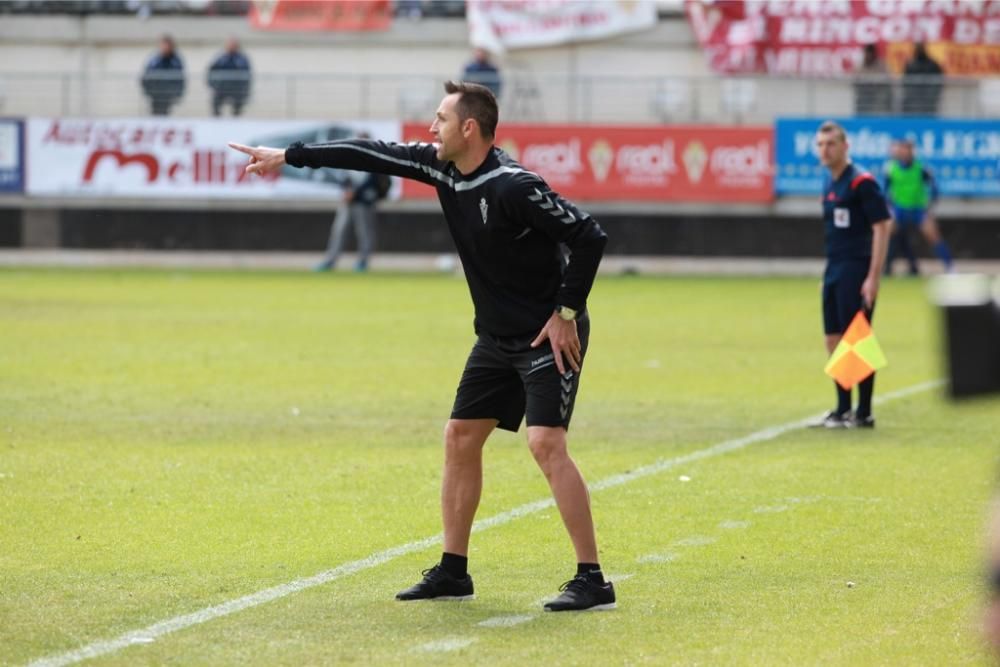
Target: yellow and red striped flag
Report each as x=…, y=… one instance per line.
x=858, y=354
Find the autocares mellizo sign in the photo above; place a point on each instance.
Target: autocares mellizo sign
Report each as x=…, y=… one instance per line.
x=610, y=163
x=179, y=158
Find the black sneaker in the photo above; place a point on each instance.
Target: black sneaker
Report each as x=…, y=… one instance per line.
x=582, y=594
x=862, y=422
x=438, y=584
x=833, y=419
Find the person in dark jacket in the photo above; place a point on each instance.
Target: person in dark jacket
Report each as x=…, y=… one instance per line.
x=163, y=78
x=872, y=89
x=361, y=194
x=922, y=81
x=229, y=79
x=480, y=70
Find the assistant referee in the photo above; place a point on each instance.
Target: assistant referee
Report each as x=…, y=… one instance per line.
x=857, y=222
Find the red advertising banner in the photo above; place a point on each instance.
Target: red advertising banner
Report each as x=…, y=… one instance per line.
x=826, y=38
x=683, y=163
x=314, y=15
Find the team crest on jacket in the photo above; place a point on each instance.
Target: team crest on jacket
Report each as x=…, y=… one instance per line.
x=483, y=206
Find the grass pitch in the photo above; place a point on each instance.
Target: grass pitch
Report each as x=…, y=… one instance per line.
x=171, y=441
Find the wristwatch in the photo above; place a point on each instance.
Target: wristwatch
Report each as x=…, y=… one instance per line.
x=565, y=313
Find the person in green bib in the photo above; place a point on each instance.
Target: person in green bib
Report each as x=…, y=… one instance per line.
x=913, y=193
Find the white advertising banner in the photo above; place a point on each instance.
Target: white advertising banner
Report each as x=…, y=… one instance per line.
x=180, y=158
x=498, y=25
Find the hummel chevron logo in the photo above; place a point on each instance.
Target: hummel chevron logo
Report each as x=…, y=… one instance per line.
x=552, y=207
x=567, y=385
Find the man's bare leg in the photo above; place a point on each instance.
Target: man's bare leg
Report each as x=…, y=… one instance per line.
x=461, y=486
x=462, y=482
x=548, y=446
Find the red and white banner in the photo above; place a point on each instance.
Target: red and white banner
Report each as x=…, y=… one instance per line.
x=826, y=37
x=497, y=25
x=693, y=163
x=315, y=15
x=178, y=158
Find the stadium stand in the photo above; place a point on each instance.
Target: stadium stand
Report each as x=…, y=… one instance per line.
x=84, y=59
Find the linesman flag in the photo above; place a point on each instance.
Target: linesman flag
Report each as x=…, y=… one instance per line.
x=858, y=354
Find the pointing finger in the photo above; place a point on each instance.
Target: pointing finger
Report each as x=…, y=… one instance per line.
x=241, y=148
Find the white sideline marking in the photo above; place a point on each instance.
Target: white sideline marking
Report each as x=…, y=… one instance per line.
x=150, y=633
x=615, y=578
x=658, y=558
x=445, y=645
x=733, y=525
x=696, y=541
x=770, y=509
x=505, y=621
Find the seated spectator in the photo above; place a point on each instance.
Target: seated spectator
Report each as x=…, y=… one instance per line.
x=480, y=70
x=229, y=79
x=163, y=78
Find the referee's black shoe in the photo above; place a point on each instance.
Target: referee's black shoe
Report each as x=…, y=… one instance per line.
x=438, y=584
x=833, y=419
x=582, y=594
x=858, y=421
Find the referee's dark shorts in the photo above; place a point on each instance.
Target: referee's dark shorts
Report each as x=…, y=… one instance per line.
x=842, y=300
x=506, y=379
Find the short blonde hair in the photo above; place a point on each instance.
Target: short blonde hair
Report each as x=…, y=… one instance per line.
x=833, y=126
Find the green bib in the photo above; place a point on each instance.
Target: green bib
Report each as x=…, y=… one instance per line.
x=906, y=185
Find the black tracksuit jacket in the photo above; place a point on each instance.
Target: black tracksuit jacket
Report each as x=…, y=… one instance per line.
x=509, y=227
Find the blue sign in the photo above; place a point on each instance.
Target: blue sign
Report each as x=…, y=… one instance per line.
x=964, y=155
x=11, y=156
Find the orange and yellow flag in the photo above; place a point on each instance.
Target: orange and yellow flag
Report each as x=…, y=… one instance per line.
x=857, y=356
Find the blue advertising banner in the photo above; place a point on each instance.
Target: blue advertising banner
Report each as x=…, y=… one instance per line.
x=11, y=156
x=964, y=155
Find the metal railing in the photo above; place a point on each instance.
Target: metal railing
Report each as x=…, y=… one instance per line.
x=526, y=97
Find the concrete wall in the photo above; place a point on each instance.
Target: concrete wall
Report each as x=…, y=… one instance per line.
x=90, y=65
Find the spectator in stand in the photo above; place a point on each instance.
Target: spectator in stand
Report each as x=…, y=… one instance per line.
x=229, y=79
x=163, y=78
x=872, y=89
x=482, y=71
x=411, y=9
x=922, y=82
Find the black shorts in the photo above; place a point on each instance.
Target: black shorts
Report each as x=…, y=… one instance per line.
x=842, y=300
x=506, y=379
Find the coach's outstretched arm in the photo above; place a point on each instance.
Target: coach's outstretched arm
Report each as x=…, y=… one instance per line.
x=417, y=161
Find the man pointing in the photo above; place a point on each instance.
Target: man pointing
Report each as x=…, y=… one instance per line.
x=513, y=235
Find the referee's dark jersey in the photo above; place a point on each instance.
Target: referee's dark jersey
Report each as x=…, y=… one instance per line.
x=851, y=205
x=508, y=225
